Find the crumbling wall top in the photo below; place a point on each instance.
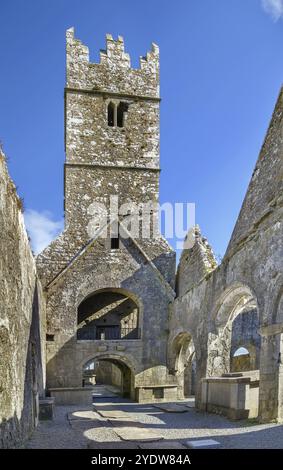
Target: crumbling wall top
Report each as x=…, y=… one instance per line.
x=195, y=263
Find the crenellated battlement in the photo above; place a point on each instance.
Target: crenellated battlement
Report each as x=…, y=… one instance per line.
x=115, y=52
x=114, y=72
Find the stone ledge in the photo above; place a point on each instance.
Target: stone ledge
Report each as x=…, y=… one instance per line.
x=230, y=380
x=157, y=386
x=105, y=93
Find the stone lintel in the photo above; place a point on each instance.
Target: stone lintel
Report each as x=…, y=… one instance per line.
x=237, y=380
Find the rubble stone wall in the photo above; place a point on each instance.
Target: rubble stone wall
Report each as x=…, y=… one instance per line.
x=22, y=322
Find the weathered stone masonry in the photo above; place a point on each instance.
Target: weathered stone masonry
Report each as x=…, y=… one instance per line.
x=104, y=160
x=22, y=322
x=160, y=335
x=249, y=277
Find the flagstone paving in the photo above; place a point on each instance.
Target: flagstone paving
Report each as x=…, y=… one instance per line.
x=172, y=408
x=79, y=427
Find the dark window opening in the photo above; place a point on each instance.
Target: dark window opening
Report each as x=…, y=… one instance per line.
x=111, y=111
x=115, y=243
x=121, y=110
x=50, y=337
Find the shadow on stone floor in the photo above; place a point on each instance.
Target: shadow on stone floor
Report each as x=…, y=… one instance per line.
x=83, y=426
x=271, y=438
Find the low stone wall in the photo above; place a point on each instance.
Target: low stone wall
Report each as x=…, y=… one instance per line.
x=22, y=322
x=72, y=395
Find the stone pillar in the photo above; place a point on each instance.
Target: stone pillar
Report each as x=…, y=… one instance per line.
x=188, y=380
x=126, y=382
x=201, y=372
x=271, y=374
x=218, y=346
x=180, y=376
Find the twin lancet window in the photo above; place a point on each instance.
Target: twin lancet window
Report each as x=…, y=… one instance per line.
x=116, y=113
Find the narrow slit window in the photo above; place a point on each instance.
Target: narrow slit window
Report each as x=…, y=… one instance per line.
x=50, y=337
x=115, y=243
x=121, y=110
x=111, y=113
x=115, y=238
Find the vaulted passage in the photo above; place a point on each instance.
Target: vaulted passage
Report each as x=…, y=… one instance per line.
x=109, y=371
x=108, y=315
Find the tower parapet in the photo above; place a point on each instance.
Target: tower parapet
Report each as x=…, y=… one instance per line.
x=111, y=109
x=114, y=72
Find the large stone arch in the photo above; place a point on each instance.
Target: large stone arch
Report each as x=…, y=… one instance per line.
x=226, y=308
x=117, y=306
x=230, y=303
x=103, y=283
x=126, y=365
x=128, y=360
x=113, y=287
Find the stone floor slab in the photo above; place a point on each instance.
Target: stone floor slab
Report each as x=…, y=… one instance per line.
x=172, y=408
x=137, y=434
x=203, y=444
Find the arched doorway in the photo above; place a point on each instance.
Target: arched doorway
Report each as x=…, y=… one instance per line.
x=108, y=314
x=185, y=364
x=103, y=370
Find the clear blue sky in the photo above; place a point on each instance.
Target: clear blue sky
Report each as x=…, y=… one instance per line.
x=221, y=71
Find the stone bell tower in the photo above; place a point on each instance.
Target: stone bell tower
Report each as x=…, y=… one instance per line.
x=111, y=128
x=109, y=302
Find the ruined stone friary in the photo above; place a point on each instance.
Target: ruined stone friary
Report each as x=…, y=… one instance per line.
x=116, y=310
